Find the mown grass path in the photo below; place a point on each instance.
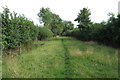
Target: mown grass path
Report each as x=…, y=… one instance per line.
x=63, y=57
x=68, y=69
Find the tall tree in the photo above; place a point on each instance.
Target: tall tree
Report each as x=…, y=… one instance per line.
x=51, y=20
x=83, y=18
x=84, y=25
x=46, y=15
x=56, y=24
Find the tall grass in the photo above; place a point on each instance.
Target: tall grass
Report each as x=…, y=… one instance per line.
x=63, y=57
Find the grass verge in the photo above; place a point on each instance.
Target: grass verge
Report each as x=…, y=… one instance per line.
x=63, y=57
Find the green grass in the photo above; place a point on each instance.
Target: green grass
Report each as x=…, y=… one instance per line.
x=63, y=57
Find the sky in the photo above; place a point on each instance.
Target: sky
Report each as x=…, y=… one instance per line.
x=66, y=9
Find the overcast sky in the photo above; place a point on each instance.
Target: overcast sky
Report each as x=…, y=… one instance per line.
x=66, y=9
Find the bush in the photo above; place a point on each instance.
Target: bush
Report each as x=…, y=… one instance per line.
x=107, y=33
x=44, y=33
x=16, y=30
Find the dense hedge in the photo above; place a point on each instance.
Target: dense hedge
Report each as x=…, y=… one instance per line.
x=109, y=33
x=105, y=32
x=17, y=29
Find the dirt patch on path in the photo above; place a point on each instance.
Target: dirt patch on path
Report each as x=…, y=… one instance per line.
x=91, y=42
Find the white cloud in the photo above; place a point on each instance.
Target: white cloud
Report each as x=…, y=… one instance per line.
x=67, y=9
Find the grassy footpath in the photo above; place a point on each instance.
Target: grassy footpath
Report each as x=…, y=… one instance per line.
x=63, y=57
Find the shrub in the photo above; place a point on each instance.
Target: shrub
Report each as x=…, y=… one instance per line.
x=44, y=33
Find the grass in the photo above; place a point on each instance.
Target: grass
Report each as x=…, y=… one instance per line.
x=63, y=57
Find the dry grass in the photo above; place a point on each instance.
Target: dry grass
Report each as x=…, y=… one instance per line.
x=75, y=52
x=89, y=50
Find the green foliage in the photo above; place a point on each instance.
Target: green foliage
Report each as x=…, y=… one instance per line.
x=54, y=22
x=105, y=32
x=75, y=32
x=56, y=25
x=83, y=18
x=16, y=29
x=46, y=16
x=44, y=33
x=0, y=32
x=85, y=24
x=68, y=26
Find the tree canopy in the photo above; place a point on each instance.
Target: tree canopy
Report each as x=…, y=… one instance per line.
x=53, y=21
x=83, y=18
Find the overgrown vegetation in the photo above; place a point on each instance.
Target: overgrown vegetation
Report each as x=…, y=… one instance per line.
x=44, y=33
x=63, y=57
x=59, y=57
x=54, y=22
x=105, y=32
x=17, y=29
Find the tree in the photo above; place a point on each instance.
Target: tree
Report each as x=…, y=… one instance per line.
x=56, y=25
x=84, y=25
x=51, y=20
x=83, y=18
x=46, y=15
x=67, y=27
